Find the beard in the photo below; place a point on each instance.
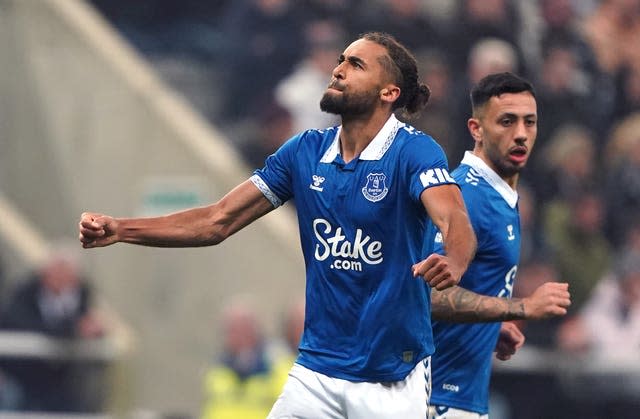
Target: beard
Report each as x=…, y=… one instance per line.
x=502, y=165
x=349, y=104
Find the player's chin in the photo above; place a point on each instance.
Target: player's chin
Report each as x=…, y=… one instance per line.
x=517, y=161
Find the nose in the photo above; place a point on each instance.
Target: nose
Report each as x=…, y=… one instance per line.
x=521, y=133
x=338, y=71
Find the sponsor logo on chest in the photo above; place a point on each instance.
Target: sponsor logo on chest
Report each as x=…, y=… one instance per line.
x=347, y=254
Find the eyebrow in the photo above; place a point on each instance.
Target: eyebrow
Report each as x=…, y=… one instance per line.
x=353, y=60
x=513, y=115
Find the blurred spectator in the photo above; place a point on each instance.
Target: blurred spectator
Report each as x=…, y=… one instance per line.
x=572, y=210
x=490, y=55
x=265, y=40
x=567, y=95
x=54, y=300
x=292, y=328
x=582, y=253
x=3, y=273
x=531, y=275
x=628, y=99
x=478, y=19
x=566, y=165
x=168, y=28
x=560, y=25
x=404, y=19
x=487, y=55
x=622, y=190
x=241, y=383
x=344, y=12
x=10, y=393
x=532, y=241
x=299, y=91
x=632, y=237
x=436, y=118
x=613, y=30
x=609, y=324
x=273, y=126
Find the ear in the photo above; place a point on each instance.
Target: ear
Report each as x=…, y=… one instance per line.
x=390, y=93
x=475, y=129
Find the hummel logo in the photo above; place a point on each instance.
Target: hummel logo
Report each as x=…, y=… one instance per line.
x=472, y=177
x=317, y=181
x=511, y=236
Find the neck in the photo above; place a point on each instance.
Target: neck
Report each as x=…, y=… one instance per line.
x=511, y=180
x=358, y=132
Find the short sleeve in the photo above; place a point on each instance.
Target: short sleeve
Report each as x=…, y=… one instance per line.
x=426, y=165
x=478, y=217
x=275, y=179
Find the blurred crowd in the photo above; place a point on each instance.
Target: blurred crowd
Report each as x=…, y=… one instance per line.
x=52, y=301
x=257, y=69
x=247, y=377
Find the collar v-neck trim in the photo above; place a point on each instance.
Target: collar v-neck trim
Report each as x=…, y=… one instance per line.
x=492, y=178
x=376, y=148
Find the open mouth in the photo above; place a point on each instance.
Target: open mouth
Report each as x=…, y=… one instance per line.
x=518, y=154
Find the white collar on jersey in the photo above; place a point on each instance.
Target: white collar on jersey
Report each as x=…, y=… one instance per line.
x=376, y=148
x=492, y=178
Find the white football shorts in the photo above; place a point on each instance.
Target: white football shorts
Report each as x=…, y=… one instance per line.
x=310, y=395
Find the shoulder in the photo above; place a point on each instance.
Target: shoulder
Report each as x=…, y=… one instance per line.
x=314, y=138
x=471, y=181
x=468, y=176
x=476, y=192
x=411, y=135
x=306, y=143
x=415, y=143
x=474, y=184
x=28, y=285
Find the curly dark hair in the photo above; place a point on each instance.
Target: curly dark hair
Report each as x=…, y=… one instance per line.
x=401, y=64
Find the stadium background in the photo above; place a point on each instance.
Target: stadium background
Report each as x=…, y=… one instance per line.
x=149, y=106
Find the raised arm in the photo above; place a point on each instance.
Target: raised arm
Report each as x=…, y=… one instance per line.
x=202, y=226
x=445, y=206
x=459, y=305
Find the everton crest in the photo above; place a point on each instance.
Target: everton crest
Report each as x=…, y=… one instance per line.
x=376, y=188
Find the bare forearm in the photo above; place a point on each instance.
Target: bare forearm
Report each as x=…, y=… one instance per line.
x=203, y=226
x=459, y=305
x=460, y=240
x=190, y=228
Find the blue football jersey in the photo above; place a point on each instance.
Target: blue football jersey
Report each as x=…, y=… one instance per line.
x=461, y=365
x=361, y=229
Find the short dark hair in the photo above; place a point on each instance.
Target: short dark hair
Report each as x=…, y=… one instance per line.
x=497, y=84
x=402, y=66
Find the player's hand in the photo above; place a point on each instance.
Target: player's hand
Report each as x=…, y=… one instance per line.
x=438, y=271
x=97, y=230
x=548, y=300
x=510, y=340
